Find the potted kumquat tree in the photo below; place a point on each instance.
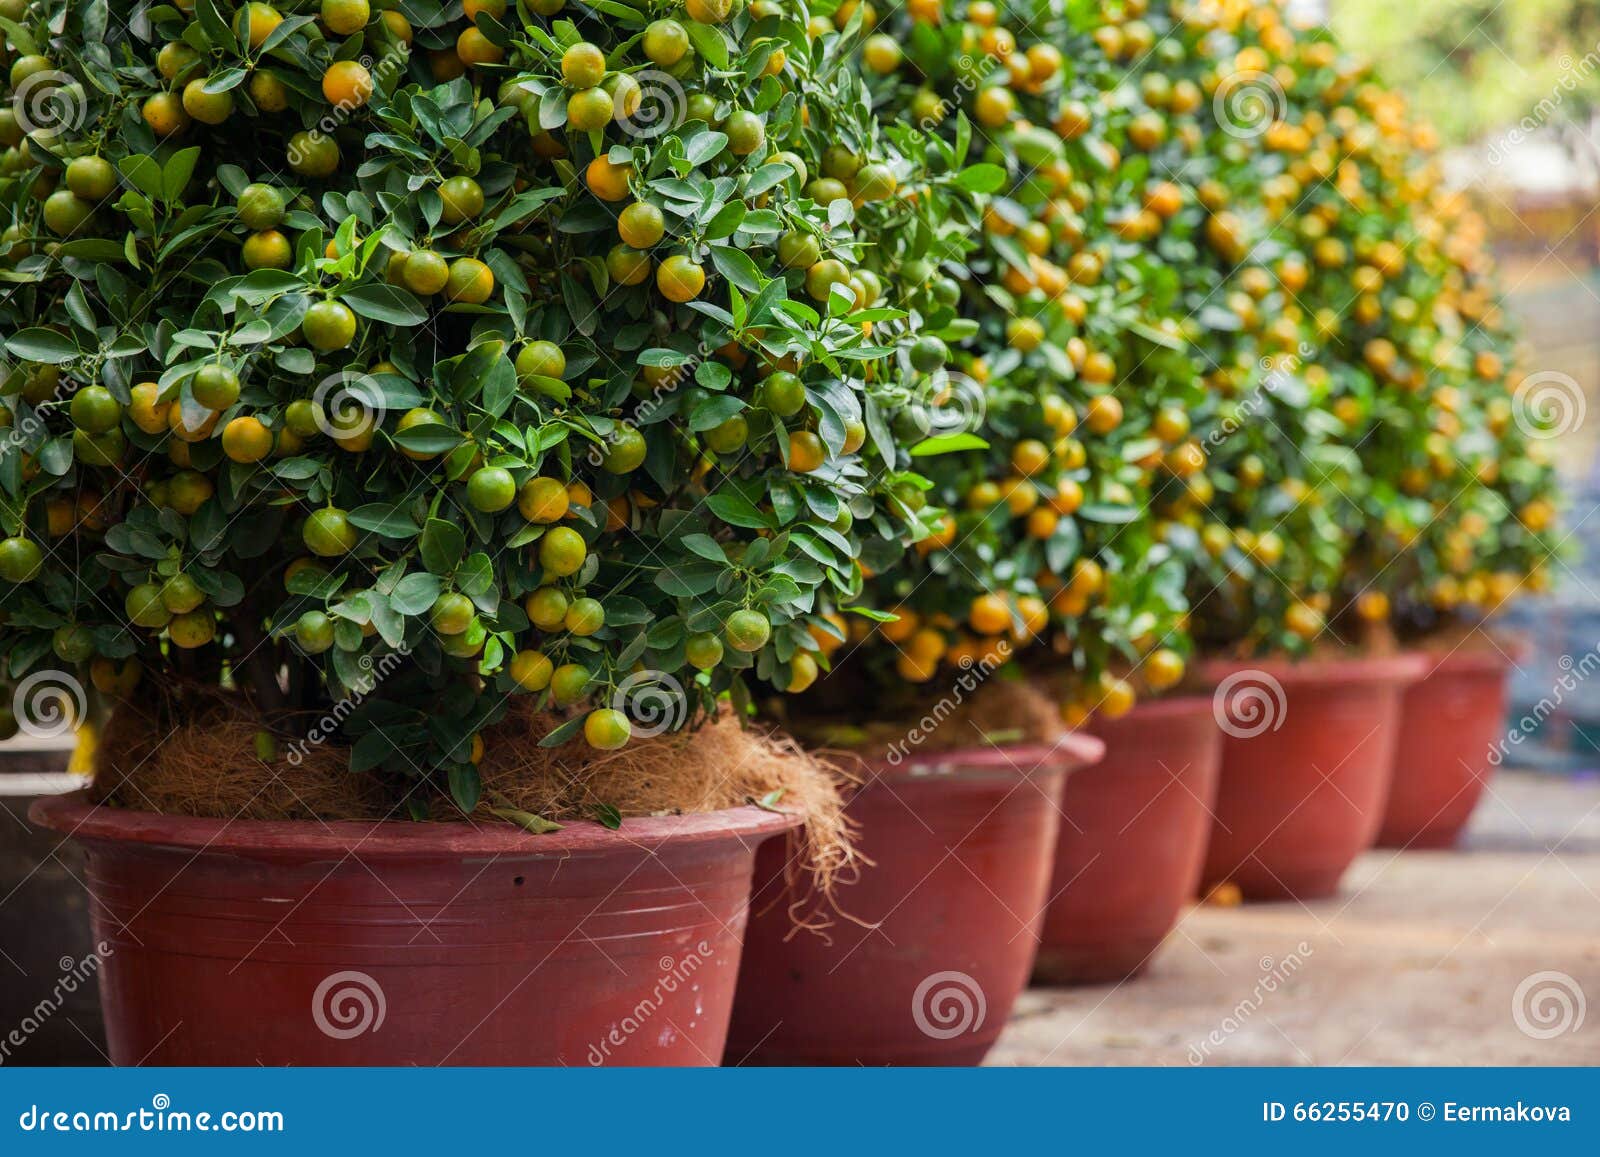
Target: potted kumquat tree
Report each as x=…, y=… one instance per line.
x=1045, y=556
x=426, y=429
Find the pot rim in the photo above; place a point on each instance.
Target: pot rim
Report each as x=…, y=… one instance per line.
x=75, y=816
x=1474, y=662
x=1405, y=667
x=1072, y=751
x=1163, y=708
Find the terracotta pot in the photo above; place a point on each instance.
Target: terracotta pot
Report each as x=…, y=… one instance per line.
x=1449, y=724
x=238, y=943
x=1306, y=762
x=1132, y=843
x=961, y=846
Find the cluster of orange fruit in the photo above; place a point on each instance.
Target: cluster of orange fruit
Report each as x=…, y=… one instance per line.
x=615, y=391
x=1236, y=309
x=1087, y=333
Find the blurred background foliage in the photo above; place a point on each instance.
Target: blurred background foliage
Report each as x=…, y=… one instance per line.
x=1478, y=66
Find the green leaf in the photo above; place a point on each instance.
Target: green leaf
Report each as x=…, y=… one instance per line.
x=726, y=222
x=691, y=580
x=466, y=788
x=733, y=507
x=621, y=611
x=296, y=361
x=416, y=593
x=92, y=249
x=386, y=519
x=714, y=410
x=947, y=444
x=214, y=26
x=471, y=371
x=705, y=146
x=176, y=172
x=607, y=816
x=529, y=822
x=43, y=345
x=713, y=375
x=443, y=545
x=1102, y=512
x=297, y=469
x=429, y=439
x=1161, y=338
x=981, y=178
x=500, y=387
x=227, y=80
x=705, y=546
x=736, y=266
x=55, y=456
x=709, y=43
x=476, y=577
x=143, y=173
x=563, y=733
x=371, y=750
x=386, y=303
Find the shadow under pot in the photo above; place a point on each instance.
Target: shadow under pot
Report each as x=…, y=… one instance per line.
x=941, y=928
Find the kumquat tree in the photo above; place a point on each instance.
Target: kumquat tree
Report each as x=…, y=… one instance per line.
x=423, y=358
x=1049, y=535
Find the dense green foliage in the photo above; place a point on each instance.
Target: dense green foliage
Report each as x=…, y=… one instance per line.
x=409, y=356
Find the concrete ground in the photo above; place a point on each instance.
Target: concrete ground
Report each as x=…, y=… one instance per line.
x=1485, y=955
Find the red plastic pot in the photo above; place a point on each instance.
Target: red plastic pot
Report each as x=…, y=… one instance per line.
x=237, y=943
x=1450, y=722
x=1307, y=756
x=961, y=845
x=1132, y=843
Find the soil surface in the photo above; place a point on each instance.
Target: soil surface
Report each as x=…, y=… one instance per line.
x=1419, y=961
